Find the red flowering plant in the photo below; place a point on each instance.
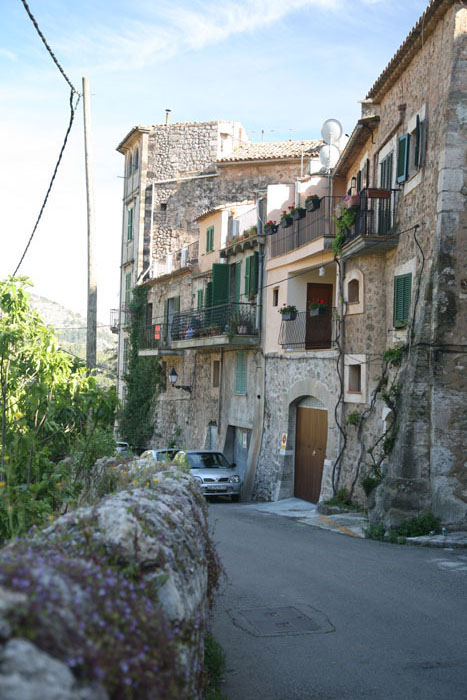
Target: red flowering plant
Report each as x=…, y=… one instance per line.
x=287, y=212
x=288, y=309
x=319, y=304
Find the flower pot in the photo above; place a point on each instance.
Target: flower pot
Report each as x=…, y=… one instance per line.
x=286, y=221
x=272, y=228
x=313, y=312
x=299, y=214
x=374, y=193
x=289, y=315
x=353, y=201
x=313, y=204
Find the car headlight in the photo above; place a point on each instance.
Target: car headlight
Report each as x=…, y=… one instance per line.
x=235, y=479
x=198, y=479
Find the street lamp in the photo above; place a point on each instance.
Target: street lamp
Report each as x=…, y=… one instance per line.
x=173, y=376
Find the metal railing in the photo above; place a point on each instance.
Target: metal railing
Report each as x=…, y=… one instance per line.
x=315, y=224
x=307, y=332
x=225, y=319
x=375, y=216
x=119, y=317
x=188, y=255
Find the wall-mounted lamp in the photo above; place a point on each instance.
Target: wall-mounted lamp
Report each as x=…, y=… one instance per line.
x=321, y=271
x=173, y=376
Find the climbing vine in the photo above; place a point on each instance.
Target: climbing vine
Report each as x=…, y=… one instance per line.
x=144, y=379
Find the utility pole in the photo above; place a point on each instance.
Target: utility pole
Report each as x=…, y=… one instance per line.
x=91, y=338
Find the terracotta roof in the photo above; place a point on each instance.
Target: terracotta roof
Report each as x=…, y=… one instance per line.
x=277, y=150
x=411, y=45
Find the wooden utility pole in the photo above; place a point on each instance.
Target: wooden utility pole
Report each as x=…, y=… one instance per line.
x=91, y=339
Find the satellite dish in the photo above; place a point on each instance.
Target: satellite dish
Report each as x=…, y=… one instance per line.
x=331, y=131
x=329, y=155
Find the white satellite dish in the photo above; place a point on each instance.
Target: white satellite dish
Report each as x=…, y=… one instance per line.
x=331, y=131
x=329, y=155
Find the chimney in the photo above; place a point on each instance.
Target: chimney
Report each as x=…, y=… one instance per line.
x=167, y=116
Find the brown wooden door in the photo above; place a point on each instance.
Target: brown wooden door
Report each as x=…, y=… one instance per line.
x=310, y=450
x=319, y=327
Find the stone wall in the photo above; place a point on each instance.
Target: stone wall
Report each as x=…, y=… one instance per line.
x=112, y=600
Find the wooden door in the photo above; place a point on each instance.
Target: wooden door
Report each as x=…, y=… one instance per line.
x=310, y=451
x=318, y=333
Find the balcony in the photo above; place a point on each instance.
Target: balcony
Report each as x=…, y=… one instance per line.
x=223, y=325
x=373, y=229
x=307, y=332
x=119, y=317
x=179, y=259
x=316, y=224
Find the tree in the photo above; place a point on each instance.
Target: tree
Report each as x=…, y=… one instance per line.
x=48, y=404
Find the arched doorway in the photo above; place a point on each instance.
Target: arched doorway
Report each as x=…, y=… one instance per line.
x=310, y=448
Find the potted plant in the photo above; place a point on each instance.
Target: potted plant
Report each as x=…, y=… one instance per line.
x=312, y=202
x=298, y=213
x=286, y=218
x=270, y=227
x=352, y=201
x=288, y=312
x=317, y=308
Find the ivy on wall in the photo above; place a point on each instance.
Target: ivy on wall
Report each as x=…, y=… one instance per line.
x=144, y=379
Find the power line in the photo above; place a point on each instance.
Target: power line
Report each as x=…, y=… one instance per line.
x=34, y=21
x=72, y=116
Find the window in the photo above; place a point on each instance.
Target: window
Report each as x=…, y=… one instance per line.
x=200, y=299
x=129, y=235
x=251, y=275
x=127, y=289
x=386, y=168
x=148, y=315
x=125, y=355
x=355, y=378
x=241, y=371
x=275, y=296
x=209, y=239
x=163, y=206
x=402, y=293
x=353, y=292
x=136, y=159
x=411, y=150
x=216, y=372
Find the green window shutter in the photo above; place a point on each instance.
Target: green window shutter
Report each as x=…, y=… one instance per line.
x=127, y=289
x=238, y=272
x=403, y=158
x=166, y=319
x=200, y=298
x=247, y=275
x=359, y=181
x=241, y=361
x=209, y=294
x=417, y=142
x=176, y=305
x=130, y=225
x=220, y=284
x=254, y=273
x=422, y=145
x=402, y=294
x=209, y=239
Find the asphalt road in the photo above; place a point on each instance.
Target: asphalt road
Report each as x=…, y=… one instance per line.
x=309, y=614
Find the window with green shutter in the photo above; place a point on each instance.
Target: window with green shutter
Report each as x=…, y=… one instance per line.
x=402, y=293
x=247, y=275
x=254, y=273
x=130, y=225
x=209, y=239
x=127, y=289
x=200, y=298
x=241, y=361
x=403, y=158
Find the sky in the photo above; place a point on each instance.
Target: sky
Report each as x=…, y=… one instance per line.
x=280, y=67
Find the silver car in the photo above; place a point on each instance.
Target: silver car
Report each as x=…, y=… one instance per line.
x=214, y=473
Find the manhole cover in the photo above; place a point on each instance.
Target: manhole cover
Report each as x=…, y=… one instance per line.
x=272, y=622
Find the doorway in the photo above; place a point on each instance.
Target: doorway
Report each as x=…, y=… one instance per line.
x=318, y=332
x=310, y=448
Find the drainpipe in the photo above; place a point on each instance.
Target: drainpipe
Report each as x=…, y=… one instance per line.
x=259, y=303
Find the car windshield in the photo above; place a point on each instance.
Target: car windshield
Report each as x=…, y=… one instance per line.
x=163, y=455
x=206, y=460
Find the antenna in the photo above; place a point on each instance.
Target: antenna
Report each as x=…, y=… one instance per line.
x=331, y=131
x=329, y=155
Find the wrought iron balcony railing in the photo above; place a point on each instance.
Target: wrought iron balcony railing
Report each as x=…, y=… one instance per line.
x=315, y=224
x=225, y=319
x=119, y=317
x=375, y=216
x=307, y=332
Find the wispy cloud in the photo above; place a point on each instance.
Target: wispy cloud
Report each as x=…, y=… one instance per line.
x=170, y=29
x=8, y=54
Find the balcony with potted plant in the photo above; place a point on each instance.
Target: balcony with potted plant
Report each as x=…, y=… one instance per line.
x=368, y=225
x=288, y=312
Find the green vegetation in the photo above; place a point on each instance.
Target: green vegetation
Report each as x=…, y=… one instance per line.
x=214, y=664
x=342, y=499
x=417, y=526
x=143, y=380
x=343, y=223
x=50, y=408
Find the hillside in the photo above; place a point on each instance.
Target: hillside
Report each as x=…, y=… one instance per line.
x=70, y=328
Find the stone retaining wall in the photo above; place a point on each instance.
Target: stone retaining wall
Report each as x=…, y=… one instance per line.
x=112, y=600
